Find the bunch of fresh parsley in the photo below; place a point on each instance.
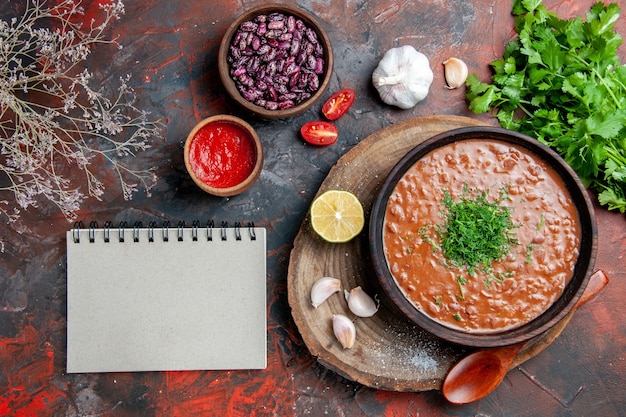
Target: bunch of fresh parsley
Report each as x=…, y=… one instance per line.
x=561, y=81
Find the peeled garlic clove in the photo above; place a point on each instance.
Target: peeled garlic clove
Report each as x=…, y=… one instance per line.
x=324, y=288
x=360, y=303
x=344, y=330
x=455, y=72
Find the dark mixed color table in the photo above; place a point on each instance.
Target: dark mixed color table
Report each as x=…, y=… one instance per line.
x=170, y=48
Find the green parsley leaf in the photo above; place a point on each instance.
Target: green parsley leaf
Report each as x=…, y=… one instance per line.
x=562, y=82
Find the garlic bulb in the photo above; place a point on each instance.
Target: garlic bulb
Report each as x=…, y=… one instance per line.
x=344, y=330
x=324, y=288
x=455, y=72
x=403, y=77
x=360, y=303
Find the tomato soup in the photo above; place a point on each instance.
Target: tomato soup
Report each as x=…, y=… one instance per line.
x=543, y=235
x=222, y=154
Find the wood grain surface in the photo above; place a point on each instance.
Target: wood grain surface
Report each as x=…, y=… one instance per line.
x=390, y=352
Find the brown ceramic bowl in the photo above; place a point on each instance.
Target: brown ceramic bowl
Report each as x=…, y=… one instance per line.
x=223, y=155
x=556, y=311
x=225, y=68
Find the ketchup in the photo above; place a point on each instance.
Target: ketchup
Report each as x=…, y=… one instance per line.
x=222, y=154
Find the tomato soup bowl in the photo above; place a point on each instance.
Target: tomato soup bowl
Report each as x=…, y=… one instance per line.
x=442, y=297
x=271, y=66
x=223, y=155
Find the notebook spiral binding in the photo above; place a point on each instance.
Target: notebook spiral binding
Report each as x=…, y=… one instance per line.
x=123, y=227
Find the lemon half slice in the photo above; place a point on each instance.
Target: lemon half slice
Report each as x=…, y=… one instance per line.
x=337, y=216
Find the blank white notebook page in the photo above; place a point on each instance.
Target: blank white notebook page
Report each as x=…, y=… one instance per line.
x=181, y=304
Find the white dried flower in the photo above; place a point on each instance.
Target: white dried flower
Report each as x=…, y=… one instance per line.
x=37, y=134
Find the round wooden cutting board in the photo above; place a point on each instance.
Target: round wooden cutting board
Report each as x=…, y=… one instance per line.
x=390, y=352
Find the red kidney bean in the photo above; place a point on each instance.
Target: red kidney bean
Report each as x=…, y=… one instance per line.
x=276, y=24
x=272, y=92
x=319, y=66
x=262, y=29
x=249, y=95
x=291, y=23
x=270, y=56
x=303, y=81
x=288, y=96
x=286, y=104
x=241, y=62
x=311, y=35
x=280, y=65
x=301, y=58
x=293, y=80
x=238, y=72
x=281, y=87
x=248, y=26
x=253, y=65
x=275, y=61
x=295, y=47
x=309, y=48
x=234, y=53
x=256, y=43
x=319, y=49
x=271, y=69
x=291, y=69
x=263, y=49
x=314, y=82
x=311, y=61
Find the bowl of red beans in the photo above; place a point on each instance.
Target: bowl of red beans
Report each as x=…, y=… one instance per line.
x=483, y=237
x=275, y=61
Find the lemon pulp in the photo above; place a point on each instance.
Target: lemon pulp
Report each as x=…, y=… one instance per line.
x=337, y=216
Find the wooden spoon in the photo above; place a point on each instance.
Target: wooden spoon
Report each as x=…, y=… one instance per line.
x=479, y=373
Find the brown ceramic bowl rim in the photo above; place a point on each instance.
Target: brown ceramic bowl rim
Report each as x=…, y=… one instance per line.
x=572, y=292
x=224, y=68
x=256, y=170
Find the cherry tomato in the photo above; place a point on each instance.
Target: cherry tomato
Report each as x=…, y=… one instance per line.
x=319, y=133
x=338, y=104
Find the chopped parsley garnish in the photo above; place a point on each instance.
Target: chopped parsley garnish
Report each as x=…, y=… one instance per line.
x=541, y=222
x=476, y=232
x=529, y=252
x=461, y=281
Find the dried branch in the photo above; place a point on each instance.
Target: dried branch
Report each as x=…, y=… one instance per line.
x=52, y=122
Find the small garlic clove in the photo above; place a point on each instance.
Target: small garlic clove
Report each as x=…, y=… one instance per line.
x=455, y=72
x=324, y=288
x=360, y=303
x=344, y=330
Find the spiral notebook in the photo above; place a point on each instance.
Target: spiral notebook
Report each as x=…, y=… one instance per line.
x=162, y=298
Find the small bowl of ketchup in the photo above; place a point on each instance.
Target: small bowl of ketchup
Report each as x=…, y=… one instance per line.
x=223, y=155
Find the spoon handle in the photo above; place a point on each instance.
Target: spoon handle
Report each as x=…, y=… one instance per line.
x=460, y=386
x=596, y=283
